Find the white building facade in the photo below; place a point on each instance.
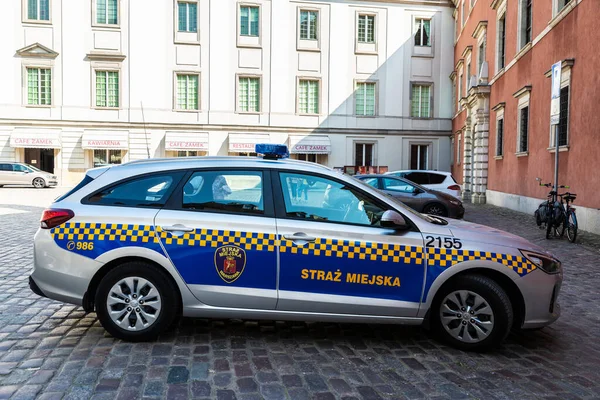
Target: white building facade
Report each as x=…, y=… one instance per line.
x=343, y=83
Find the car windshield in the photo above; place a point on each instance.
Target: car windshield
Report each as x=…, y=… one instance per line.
x=32, y=167
x=404, y=207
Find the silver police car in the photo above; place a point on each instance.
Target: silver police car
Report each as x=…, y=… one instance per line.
x=272, y=238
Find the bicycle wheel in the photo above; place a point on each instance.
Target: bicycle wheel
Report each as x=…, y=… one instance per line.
x=571, y=222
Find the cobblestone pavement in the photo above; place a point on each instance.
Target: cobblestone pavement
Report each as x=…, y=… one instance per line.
x=51, y=350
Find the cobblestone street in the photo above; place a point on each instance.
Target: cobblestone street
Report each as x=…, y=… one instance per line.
x=51, y=350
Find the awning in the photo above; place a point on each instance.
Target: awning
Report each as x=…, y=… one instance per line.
x=246, y=142
x=311, y=144
x=36, y=138
x=96, y=139
x=186, y=141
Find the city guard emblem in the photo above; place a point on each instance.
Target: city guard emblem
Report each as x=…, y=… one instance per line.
x=230, y=261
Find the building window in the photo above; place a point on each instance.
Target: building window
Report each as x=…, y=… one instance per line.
x=249, y=21
x=249, y=94
x=187, y=17
x=523, y=130
x=365, y=99
x=463, y=14
x=308, y=96
x=187, y=92
x=104, y=157
x=107, y=12
x=423, y=32
x=309, y=157
x=366, y=28
x=184, y=153
x=39, y=86
x=560, y=4
x=453, y=96
x=38, y=10
x=563, y=121
x=107, y=89
x=468, y=82
x=481, y=57
x=500, y=137
x=501, y=42
x=458, y=150
x=363, y=154
x=525, y=22
x=308, y=24
x=460, y=85
x=419, y=156
x=420, y=101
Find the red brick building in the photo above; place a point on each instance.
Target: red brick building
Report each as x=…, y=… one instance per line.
x=503, y=140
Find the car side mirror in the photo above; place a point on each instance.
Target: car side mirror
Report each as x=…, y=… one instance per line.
x=392, y=219
x=417, y=191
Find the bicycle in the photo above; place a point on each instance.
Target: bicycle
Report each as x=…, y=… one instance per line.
x=554, y=214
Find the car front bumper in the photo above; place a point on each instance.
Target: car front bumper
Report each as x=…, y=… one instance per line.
x=456, y=212
x=540, y=293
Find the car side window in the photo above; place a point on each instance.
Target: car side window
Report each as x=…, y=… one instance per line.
x=5, y=167
x=318, y=198
x=436, y=179
x=228, y=191
x=20, y=168
x=146, y=191
x=418, y=177
x=395, y=185
x=371, y=182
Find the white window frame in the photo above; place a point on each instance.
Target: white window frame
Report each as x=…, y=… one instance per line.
x=565, y=81
x=42, y=64
x=458, y=148
x=522, y=24
x=498, y=145
x=237, y=93
x=25, y=14
x=106, y=68
x=419, y=18
x=307, y=78
x=373, y=151
x=356, y=82
x=95, y=15
x=175, y=87
x=245, y=40
x=460, y=87
x=308, y=44
x=523, y=102
x=500, y=14
x=559, y=5
x=463, y=13
x=366, y=47
x=428, y=162
x=123, y=153
x=454, y=96
x=430, y=85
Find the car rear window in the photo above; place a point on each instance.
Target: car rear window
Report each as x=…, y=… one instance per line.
x=145, y=191
x=436, y=179
x=86, y=179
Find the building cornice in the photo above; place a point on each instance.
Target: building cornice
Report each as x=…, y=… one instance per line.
x=38, y=51
x=498, y=106
x=567, y=63
x=453, y=75
x=482, y=25
x=468, y=50
x=525, y=89
x=459, y=64
x=496, y=3
x=105, y=56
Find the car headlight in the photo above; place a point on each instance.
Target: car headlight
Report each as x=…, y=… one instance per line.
x=455, y=202
x=544, y=262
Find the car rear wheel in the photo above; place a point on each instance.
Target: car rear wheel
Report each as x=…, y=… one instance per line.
x=436, y=209
x=473, y=312
x=136, y=302
x=39, y=183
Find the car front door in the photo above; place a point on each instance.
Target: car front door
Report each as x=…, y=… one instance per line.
x=21, y=175
x=336, y=258
x=220, y=234
x=403, y=191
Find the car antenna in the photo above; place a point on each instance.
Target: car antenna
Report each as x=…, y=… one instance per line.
x=145, y=133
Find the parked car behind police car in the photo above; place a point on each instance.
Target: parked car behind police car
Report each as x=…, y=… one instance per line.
x=20, y=174
x=142, y=242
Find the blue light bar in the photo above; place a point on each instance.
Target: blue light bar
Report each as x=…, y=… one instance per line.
x=272, y=151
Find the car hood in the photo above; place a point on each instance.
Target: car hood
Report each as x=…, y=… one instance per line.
x=471, y=232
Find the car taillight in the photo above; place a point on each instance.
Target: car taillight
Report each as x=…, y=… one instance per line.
x=454, y=187
x=55, y=216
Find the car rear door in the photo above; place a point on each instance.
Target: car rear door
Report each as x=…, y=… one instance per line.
x=6, y=174
x=219, y=231
x=336, y=258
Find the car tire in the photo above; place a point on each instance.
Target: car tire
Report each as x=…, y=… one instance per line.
x=435, y=209
x=39, y=183
x=481, y=323
x=130, y=318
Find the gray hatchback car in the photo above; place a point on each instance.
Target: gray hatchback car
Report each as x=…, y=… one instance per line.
x=268, y=238
x=415, y=196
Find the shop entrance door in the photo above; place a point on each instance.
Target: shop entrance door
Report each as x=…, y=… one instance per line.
x=40, y=158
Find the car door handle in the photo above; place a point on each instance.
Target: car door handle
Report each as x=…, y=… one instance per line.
x=300, y=237
x=177, y=228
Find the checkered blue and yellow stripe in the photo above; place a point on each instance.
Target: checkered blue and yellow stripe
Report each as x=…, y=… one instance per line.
x=108, y=236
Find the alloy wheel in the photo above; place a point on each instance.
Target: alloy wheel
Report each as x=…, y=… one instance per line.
x=467, y=316
x=38, y=183
x=134, y=303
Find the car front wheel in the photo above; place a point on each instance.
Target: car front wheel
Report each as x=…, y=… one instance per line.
x=136, y=302
x=39, y=183
x=436, y=209
x=473, y=312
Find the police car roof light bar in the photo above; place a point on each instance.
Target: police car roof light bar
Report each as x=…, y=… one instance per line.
x=272, y=151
